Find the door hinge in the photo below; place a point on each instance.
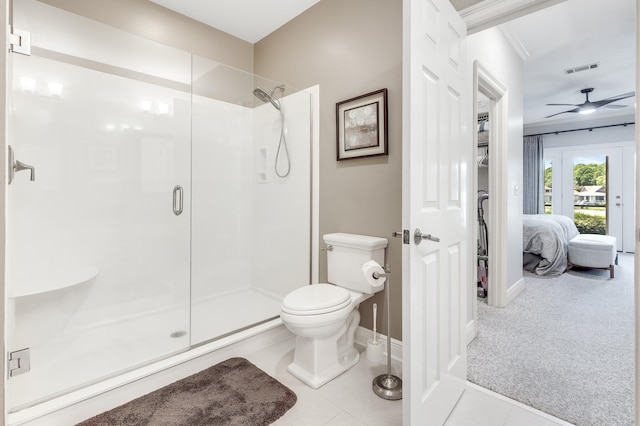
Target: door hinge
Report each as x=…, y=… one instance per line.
x=20, y=41
x=19, y=362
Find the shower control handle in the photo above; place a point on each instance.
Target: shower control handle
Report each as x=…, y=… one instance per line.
x=19, y=166
x=178, y=200
x=16, y=166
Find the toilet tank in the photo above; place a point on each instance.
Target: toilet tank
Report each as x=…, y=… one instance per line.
x=349, y=252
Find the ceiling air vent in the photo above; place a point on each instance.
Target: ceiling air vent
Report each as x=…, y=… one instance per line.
x=582, y=68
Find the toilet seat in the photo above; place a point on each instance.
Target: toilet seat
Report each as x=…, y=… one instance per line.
x=316, y=299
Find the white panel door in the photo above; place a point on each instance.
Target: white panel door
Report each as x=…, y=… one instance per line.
x=437, y=148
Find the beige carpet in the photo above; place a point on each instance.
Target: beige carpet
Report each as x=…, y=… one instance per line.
x=234, y=392
x=564, y=346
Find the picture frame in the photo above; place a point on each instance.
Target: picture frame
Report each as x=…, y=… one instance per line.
x=361, y=126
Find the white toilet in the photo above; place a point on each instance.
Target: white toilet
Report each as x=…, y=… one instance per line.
x=324, y=317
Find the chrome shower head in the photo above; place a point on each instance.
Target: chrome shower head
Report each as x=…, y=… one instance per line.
x=268, y=97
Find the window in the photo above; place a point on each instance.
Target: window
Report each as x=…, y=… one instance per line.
x=590, y=194
x=548, y=192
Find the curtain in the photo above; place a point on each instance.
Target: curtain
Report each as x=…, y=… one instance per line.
x=533, y=175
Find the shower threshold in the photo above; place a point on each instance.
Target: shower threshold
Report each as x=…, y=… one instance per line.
x=176, y=367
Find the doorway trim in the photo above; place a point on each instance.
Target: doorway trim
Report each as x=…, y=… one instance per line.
x=487, y=84
x=636, y=258
x=499, y=294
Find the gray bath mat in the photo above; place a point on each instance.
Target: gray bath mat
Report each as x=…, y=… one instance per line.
x=234, y=392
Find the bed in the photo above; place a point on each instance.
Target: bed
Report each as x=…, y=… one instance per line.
x=545, y=242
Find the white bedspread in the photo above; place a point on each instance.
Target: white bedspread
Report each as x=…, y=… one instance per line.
x=548, y=235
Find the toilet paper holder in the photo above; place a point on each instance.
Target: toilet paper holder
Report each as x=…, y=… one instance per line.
x=387, y=273
x=387, y=386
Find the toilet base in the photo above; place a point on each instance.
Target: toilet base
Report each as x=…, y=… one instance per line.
x=314, y=381
x=316, y=361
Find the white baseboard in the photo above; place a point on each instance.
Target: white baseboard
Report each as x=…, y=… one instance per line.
x=515, y=290
x=364, y=334
x=472, y=330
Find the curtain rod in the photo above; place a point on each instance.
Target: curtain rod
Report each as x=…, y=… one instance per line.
x=584, y=128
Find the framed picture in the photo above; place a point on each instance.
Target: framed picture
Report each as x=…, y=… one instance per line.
x=361, y=125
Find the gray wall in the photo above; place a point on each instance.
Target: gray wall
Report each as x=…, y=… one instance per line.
x=350, y=47
x=154, y=22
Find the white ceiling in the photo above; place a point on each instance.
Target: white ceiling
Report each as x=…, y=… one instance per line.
x=571, y=34
x=249, y=20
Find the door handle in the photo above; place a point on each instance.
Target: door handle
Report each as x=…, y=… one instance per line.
x=418, y=236
x=16, y=166
x=178, y=200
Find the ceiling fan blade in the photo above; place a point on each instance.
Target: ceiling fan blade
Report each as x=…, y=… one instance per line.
x=603, y=102
x=619, y=97
x=593, y=105
x=598, y=104
x=558, y=113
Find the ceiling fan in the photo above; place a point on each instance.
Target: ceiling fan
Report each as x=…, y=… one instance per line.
x=587, y=107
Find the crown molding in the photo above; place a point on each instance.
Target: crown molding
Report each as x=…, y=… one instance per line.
x=489, y=13
x=515, y=42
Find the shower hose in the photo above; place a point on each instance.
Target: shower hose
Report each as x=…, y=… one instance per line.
x=282, y=147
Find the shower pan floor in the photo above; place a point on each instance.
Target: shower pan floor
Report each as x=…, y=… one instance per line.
x=81, y=356
x=227, y=312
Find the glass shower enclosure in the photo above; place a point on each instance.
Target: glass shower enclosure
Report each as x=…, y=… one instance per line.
x=145, y=216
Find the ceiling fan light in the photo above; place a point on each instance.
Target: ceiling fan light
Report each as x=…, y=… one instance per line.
x=587, y=111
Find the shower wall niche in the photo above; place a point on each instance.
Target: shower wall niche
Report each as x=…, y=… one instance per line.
x=155, y=221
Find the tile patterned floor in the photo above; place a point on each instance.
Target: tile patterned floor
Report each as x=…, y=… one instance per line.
x=349, y=400
x=346, y=400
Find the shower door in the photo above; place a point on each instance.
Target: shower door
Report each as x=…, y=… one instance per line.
x=250, y=227
x=98, y=251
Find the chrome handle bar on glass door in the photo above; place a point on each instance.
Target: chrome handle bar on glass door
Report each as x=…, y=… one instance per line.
x=178, y=200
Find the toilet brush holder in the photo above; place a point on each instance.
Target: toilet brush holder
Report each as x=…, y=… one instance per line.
x=375, y=351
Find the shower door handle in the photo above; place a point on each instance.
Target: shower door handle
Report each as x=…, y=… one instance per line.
x=178, y=200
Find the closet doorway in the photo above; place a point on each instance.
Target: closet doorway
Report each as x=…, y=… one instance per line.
x=490, y=109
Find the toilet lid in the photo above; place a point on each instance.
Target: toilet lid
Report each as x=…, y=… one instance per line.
x=316, y=299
